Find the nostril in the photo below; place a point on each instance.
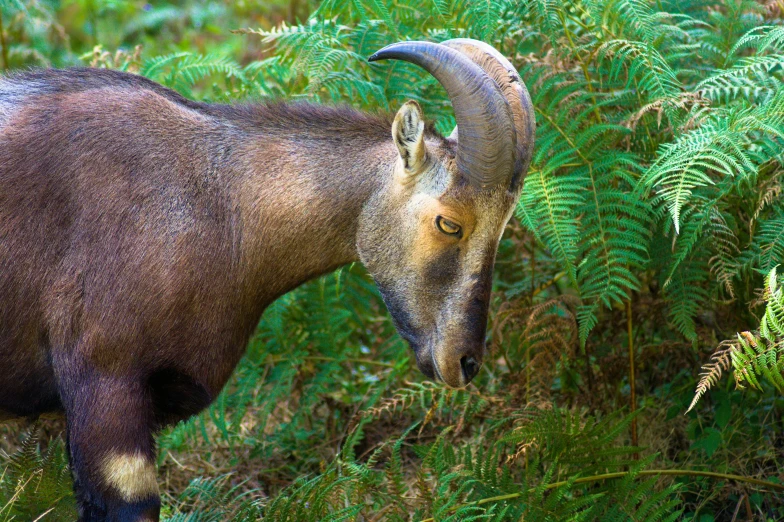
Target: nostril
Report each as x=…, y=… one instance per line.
x=470, y=367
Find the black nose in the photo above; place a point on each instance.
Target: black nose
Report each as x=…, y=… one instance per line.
x=470, y=368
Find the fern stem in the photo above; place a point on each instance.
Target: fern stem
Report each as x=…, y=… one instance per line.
x=533, y=267
x=671, y=472
x=622, y=474
x=583, y=66
x=632, y=384
x=3, y=46
x=528, y=348
x=547, y=284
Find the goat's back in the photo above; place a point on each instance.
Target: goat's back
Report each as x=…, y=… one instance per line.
x=112, y=213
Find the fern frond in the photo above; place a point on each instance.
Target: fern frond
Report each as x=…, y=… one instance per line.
x=724, y=264
x=770, y=240
x=751, y=79
x=36, y=484
x=711, y=374
x=728, y=144
x=761, y=38
x=687, y=295
x=753, y=354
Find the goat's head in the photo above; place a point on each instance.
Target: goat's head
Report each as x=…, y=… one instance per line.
x=430, y=237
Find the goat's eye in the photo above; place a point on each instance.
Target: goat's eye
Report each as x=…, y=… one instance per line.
x=450, y=228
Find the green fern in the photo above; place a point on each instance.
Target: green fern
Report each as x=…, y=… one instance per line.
x=36, y=484
x=754, y=355
x=761, y=354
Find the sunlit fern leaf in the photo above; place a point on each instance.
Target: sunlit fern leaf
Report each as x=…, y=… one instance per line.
x=729, y=24
x=194, y=68
x=555, y=186
x=304, y=44
x=365, y=11
x=772, y=325
x=761, y=39
x=723, y=146
x=269, y=77
x=751, y=79
x=382, y=11
x=155, y=67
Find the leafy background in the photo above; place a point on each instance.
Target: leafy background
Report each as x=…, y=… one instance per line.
x=647, y=236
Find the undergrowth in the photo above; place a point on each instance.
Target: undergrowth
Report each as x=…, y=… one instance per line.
x=650, y=225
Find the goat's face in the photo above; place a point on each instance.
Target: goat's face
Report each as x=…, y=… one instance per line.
x=429, y=239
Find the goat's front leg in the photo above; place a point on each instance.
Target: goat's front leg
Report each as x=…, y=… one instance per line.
x=111, y=447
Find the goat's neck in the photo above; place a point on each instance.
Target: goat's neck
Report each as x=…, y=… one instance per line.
x=300, y=208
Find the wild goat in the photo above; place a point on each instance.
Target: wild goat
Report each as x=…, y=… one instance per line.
x=143, y=234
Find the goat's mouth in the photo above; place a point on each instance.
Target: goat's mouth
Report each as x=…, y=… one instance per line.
x=436, y=367
x=427, y=362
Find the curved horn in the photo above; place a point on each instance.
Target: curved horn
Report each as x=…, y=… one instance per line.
x=486, y=135
x=513, y=88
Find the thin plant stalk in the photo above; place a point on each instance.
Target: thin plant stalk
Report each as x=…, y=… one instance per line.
x=632, y=384
x=621, y=474
x=528, y=347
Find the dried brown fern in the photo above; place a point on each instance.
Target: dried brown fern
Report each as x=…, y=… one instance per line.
x=720, y=362
x=770, y=192
x=123, y=60
x=533, y=338
x=435, y=399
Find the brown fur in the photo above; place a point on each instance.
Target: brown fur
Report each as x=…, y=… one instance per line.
x=143, y=234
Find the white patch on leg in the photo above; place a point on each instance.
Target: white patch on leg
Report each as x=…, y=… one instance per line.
x=133, y=476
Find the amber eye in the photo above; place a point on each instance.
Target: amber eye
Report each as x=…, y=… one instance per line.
x=450, y=228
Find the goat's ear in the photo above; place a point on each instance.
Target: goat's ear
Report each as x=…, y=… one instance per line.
x=408, y=131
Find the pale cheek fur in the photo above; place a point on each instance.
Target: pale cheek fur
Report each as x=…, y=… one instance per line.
x=132, y=476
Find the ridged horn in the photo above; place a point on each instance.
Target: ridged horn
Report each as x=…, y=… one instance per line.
x=515, y=92
x=486, y=134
